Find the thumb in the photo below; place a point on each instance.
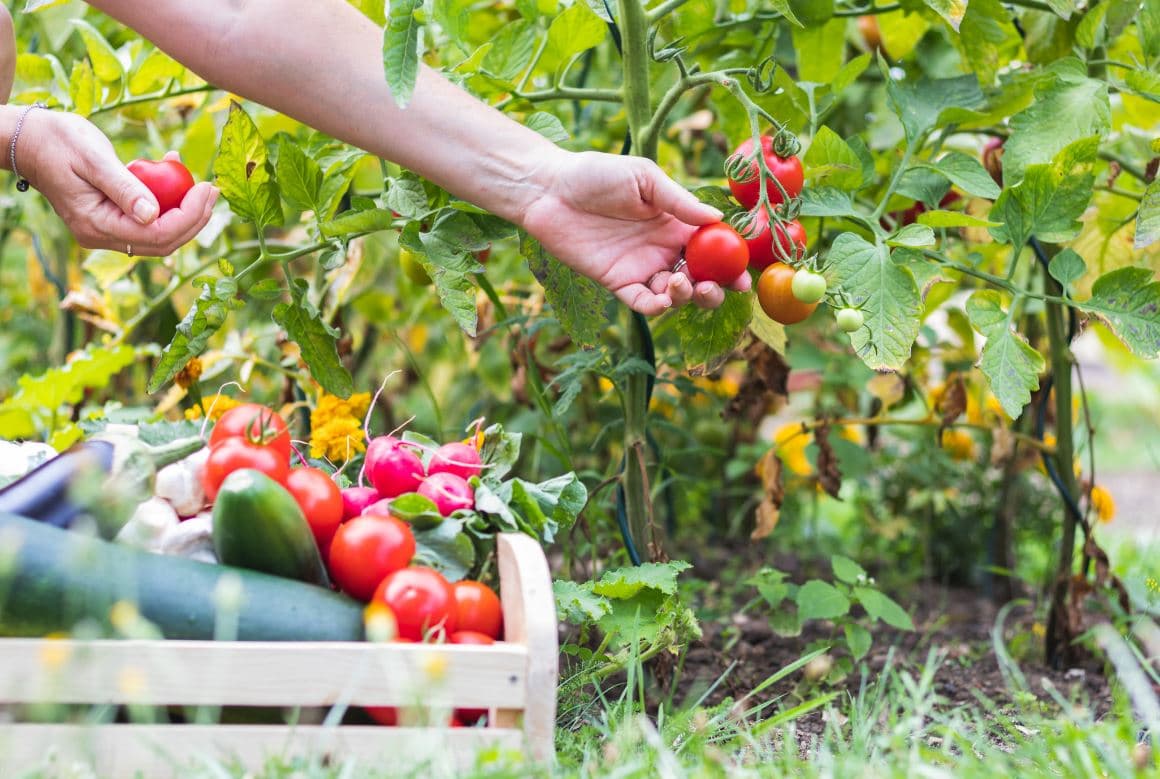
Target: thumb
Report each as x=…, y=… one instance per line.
x=123, y=188
x=672, y=198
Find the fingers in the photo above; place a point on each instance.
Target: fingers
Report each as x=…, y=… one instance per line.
x=110, y=176
x=670, y=197
x=706, y=294
x=163, y=236
x=643, y=300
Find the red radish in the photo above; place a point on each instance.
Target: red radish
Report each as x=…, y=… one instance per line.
x=380, y=508
x=449, y=492
x=457, y=458
x=355, y=501
x=392, y=467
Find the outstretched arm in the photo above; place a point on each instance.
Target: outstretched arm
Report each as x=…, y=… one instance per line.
x=7, y=54
x=320, y=61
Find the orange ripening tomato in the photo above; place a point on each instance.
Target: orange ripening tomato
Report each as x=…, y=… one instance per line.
x=775, y=293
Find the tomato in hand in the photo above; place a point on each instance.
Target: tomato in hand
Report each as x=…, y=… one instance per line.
x=775, y=293
x=234, y=454
x=787, y=170
x=320, y=500
x=168, y=180
x=791, y=237
x=477, y=609
x=366, y=550
x=256, y=425
x=421, y=599
x=716, y=252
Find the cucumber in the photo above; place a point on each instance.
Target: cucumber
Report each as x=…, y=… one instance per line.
x=51, y=579
x=257, y=524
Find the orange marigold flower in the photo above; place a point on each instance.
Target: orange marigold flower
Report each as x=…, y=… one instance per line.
x=959, y=444
x=1103, y=503
x=215, y=406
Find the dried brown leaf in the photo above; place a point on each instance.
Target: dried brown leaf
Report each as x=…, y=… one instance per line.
x=953, y=401
x=769, y=470
x=829, y=475
x=765, y=379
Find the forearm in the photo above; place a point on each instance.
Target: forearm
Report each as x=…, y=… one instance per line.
x=320, y=61
x=7, y=55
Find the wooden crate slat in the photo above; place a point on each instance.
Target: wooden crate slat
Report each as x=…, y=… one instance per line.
x=160, y=751
x=261, y=673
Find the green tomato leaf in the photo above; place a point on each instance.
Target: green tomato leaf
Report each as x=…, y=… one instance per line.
x=1049, y=200
x=515, y=45
x=886, y=293
x=577, y=301
x=939, y=219
x=548, y=126
x=846, y=570
x=769, y=331
x=821, y=600
x=401, y=48
x=156, y=71
x=831, y=161
x=1128, y=301
x=106, y=64
x=950, y=10
x=83, y=88
x=299, y=177
x=1011, y=365
x=208, y=314
x=919, y=103
x=574, y=31
x=1067, y=267
x=352, y=222
x=827, y=201
x=988, y=39
x=882, y=607
x=244, y=173
x=709, y=335
x=966, y=173
x=913, y=236
x=858, y=640
x=819, y=50
x=1068, y=107
x=405, y=195
x=318, y=343
x=1148, y=217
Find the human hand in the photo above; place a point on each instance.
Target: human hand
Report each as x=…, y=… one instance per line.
x=105, y=206
x=622, y=222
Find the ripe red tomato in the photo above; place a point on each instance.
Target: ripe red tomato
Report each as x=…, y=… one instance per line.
x=235, y=453
x=868, y=27
x=787, y=170
x=477, y=609
x=257, y=425
x=366, y=550
x=716, y=253
x=421, y=599
x=168, y=180
x=472, y=637
x=775, y=293
x=791, y=237
x=320, y=500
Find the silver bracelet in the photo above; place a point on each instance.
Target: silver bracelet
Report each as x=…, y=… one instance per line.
x=21, y=182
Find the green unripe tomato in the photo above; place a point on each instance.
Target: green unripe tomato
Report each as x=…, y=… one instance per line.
x=849, y=320
x=409, y=262
x=808, y=287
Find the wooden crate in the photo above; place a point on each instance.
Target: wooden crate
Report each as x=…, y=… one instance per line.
x=515, y=680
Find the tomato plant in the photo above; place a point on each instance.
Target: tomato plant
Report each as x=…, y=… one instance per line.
x=786, y=171
x=791, y=241
x=365, y=550
x=716, y=252
x=168, y=180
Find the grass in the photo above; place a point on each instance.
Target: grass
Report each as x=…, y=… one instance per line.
x=894, y=725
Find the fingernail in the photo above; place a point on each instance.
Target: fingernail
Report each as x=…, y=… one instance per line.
x=718, y=213
x=144, y=211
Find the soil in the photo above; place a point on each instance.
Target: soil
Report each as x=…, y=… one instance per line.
x=956, y=622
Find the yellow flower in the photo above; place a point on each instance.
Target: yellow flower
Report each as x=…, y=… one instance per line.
x=605, y=384
x=216, y=405
x=1103, y=503
x=790, y=443
x=1152, y=584
x=959, y=444
x=1038, y=630
x=189, y=374
x=336, y=426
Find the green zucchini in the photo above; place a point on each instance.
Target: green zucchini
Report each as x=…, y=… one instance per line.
x=52, y=579
x=257, y=524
